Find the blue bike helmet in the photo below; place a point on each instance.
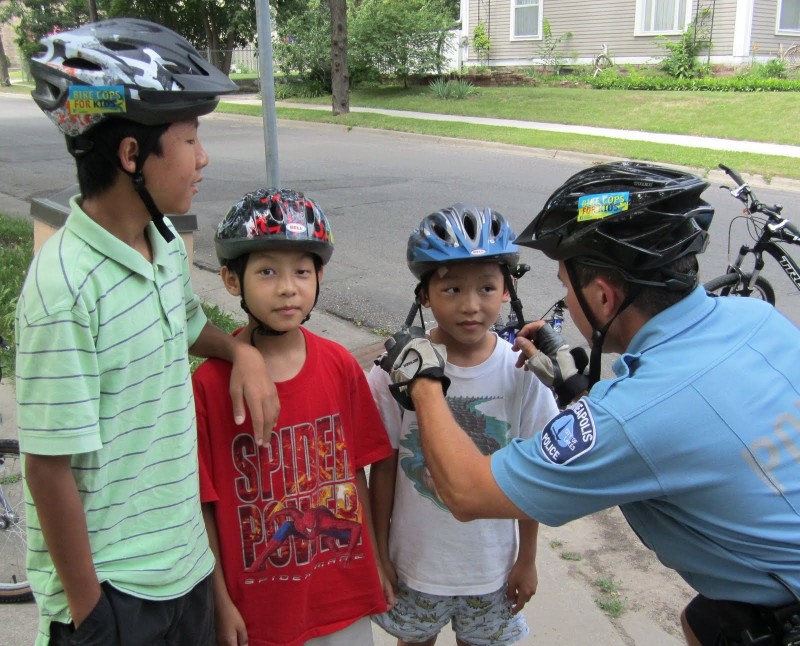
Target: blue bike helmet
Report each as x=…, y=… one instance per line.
x=457, y=233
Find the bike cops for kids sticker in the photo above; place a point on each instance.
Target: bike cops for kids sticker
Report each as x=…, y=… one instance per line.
x=97, y=99
x=569, y=435
x=601, y=205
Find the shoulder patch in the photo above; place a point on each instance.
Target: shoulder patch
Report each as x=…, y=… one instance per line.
x=569, y=435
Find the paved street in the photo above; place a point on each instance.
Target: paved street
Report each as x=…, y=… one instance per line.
x=375, y=187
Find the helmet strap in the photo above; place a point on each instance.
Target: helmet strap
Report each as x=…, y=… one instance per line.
x=156, y=215
x=516, y=303
x=598, y=333
x=145, y=148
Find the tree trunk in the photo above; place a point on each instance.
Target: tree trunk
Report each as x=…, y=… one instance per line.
x=340, y=77
x=92, y=10
x=4, y=77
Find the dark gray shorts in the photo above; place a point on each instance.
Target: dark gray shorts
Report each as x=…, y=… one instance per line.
x=120, y=619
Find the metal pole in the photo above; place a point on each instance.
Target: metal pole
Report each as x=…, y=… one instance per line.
x=264, y=26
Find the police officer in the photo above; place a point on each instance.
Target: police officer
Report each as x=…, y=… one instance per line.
x=696, y=438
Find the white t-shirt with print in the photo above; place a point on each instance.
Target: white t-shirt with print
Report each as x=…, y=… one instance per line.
x=494, y=402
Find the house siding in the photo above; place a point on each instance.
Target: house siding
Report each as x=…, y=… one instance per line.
x=765, y=42
x=595, y=22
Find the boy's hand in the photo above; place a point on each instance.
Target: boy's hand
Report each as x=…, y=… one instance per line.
x=410, y=354
x=388, y=576
x=231, y=629
x=522, y=583
x=250, y=382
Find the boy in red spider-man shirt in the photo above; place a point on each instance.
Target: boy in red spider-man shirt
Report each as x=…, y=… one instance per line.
x=289, y=522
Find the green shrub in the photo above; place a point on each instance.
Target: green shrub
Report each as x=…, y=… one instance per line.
x=748, y=83
x=774, y=68
x=682, y=54
x=481, y=42
x=548, y=48
x=16, y=252
x=451, y=89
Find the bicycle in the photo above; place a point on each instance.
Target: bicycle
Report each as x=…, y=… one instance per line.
x=767, y=232
x=602, y=61
x=14, y=585
x=790, y=56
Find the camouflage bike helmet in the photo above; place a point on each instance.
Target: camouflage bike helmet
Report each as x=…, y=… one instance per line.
x=269, y=219
x=631, y=217
x=123, y=69
x=143, y=72
x=463, y=232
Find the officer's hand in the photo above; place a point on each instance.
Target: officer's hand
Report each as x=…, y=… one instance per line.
x=409, y=355
x=551, y=360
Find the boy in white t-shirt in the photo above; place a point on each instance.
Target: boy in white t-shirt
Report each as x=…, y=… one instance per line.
x=477, y=575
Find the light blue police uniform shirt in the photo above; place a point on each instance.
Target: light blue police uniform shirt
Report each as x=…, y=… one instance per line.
x=697, y=439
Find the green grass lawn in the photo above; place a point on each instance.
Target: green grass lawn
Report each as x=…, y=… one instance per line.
x=702, y=159
x=749, y=116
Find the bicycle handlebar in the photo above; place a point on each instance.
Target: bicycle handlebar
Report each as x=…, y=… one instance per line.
x=744, y=194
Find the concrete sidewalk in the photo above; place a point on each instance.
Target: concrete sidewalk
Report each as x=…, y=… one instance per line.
x=712, y=143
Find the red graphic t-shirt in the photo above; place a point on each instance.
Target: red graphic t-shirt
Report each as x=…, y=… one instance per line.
x=296, y=556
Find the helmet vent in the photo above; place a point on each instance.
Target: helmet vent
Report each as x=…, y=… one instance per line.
x=118, y=46
x=470, y=226
x=81, y=64
x=442, y=232
x=310, y=213
x=496, y=226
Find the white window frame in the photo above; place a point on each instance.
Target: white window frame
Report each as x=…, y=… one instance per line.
x=782, y=31
x=640, y=28
x=538, y=35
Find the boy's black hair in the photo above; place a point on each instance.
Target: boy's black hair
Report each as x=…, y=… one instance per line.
x=96, y=151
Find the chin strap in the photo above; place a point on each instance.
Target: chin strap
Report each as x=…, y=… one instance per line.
x=598, y=332
x=156, y=215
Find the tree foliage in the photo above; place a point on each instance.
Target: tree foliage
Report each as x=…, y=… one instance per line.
x=402, y=39
x=216, y=26
x=304, y=44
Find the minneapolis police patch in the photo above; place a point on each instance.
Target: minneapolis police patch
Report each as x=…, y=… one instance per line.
x=569, y=435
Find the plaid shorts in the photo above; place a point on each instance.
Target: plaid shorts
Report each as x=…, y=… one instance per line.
x=478, y=620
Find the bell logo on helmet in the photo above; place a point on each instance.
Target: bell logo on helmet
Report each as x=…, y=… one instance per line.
x=100, y=99
x=294, y=227
x=477, y=252
x=596, y=207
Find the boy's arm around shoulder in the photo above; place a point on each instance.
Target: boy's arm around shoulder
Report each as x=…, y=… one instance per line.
x=250, y=380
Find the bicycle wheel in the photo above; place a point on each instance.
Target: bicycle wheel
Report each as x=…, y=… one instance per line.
x=792, y=57
x=14, y=586
x=602, y=62
x=732, y=285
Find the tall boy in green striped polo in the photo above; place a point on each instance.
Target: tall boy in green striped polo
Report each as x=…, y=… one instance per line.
x=117, y=547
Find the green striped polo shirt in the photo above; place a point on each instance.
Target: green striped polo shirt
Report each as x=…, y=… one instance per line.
x=103, y=375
